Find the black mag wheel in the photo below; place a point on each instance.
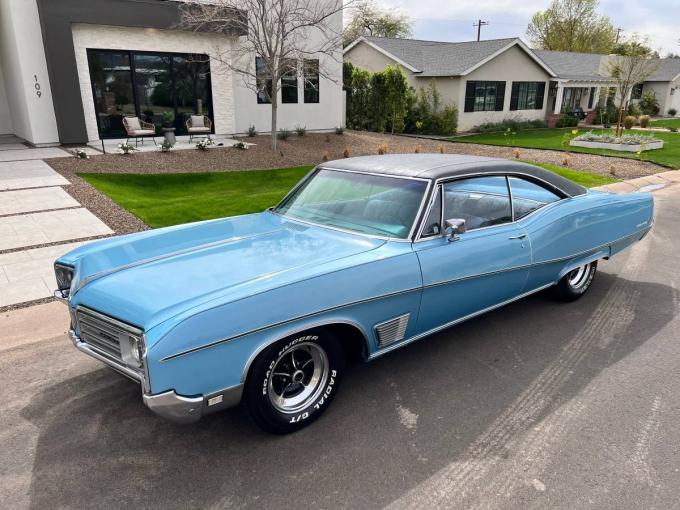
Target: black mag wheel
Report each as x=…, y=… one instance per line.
x=575, y=283
x=293, y=381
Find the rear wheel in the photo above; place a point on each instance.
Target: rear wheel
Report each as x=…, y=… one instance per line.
x=575, y=283
x=293, y=381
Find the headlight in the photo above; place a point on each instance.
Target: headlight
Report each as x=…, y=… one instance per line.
x=136, y=351
x=64, y=276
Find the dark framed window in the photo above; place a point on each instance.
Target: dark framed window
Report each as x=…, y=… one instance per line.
x=591, y=97
x=158, y=87
x=311, y=77
x=289, y=82
x=636, y=91
x=528, y=197
x=527, y=95
x=264, y=82
x=484, y=96
x=480, y=201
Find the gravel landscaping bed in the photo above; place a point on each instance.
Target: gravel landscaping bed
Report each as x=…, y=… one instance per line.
x=297, y=151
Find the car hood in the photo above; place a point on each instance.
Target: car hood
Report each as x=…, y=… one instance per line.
x=148, y=279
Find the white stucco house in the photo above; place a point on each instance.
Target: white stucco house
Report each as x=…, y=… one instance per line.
x=496, y=79
x=71, y=70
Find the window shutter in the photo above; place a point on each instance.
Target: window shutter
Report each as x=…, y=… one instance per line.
x=500, y=95
x=540, y=94
x=470, y=96
x=514, y=96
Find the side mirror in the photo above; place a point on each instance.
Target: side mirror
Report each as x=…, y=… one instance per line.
x=454, y=227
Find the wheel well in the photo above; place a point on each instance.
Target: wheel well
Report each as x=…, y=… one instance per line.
x=352, y=340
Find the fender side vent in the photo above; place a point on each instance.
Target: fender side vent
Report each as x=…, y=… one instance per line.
x=392, y=330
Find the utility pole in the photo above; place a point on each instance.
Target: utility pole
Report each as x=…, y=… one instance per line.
x=479, y=26
x=618, y=33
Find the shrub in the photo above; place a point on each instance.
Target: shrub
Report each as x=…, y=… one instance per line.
x=440, y=149
x=126, y=148
x=673, y=129
x=612, y=169
x=301, y=130
x=382, y=148
x=325, y=156
x=514, y=124
x=166, y=146
x=567, y=120
x=428, y=115
x=240, y=145
x=339, y=131
x=418, y=148
x=202, y=145
x=644, y=121
x=515, y=153
x=346, y=153
x=633, y=110
x=672, y=112
x=252, y=131
x=283, y=134
x=566, y=160
x=649, y=104
x=629, y=121
x=80, y=154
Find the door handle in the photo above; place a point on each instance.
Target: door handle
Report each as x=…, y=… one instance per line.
x=520, y=236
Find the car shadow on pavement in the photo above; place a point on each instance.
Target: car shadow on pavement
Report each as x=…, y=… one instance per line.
x=459, y=398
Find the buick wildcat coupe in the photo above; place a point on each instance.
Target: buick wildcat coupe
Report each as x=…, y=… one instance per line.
x=363, y=256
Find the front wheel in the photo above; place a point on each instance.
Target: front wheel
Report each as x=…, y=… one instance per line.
x=293, y=381
x=575, y=283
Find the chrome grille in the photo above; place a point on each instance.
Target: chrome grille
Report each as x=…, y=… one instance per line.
x=103, y=333
x=392, y=330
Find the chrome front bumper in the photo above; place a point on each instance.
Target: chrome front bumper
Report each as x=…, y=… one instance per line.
x=168, y=404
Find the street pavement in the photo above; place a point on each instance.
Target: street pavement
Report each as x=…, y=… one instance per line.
x=536, y=405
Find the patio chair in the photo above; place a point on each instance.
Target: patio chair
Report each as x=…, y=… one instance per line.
x=138, y=129
x=198, y=125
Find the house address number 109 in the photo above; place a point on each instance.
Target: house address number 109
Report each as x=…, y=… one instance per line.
x=37, y=86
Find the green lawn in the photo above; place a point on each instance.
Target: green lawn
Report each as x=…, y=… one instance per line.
x=552, y=139
x=160, y=200
x=586, y=179
x=667, y=123
x=168, y=199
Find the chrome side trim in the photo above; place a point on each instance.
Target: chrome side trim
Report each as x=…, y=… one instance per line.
x=454, y=322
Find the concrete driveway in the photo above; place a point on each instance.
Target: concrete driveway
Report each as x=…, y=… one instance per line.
x=536, y=405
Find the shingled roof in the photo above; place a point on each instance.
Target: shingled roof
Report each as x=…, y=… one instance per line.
x=573, y=66
x=436, y=58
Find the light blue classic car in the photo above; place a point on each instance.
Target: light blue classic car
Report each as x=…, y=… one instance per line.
x=363, y=256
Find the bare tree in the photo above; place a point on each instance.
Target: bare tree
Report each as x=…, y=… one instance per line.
x=628, y=71
x=288, y=38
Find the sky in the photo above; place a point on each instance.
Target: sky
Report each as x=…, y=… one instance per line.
x=451, y=20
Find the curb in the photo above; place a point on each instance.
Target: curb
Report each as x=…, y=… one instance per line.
x=648, y=183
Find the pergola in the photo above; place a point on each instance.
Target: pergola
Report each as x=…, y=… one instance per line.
x=597, y=83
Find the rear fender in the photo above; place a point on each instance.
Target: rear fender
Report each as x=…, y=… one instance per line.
x=583, y=260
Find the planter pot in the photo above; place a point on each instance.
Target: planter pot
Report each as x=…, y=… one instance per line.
x=169, y=135
x=618, y=146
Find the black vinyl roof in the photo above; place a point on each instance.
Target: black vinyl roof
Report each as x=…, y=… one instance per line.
x=443, y=166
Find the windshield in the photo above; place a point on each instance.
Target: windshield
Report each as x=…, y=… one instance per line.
x=369, y=204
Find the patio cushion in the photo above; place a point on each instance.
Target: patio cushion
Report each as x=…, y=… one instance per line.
x=199, y=130
x=197, y=121
x=141, y=132
x=133, y=123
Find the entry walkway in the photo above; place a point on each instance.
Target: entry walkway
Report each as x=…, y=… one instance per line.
x=39, y=221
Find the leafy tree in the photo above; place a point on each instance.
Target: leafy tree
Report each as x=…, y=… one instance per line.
x=396, y=97
x=572, y=25
x=367, y=19
x=635, y=46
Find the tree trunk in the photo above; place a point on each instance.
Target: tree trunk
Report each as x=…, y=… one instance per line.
x=275, y=108
x=619, y=123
